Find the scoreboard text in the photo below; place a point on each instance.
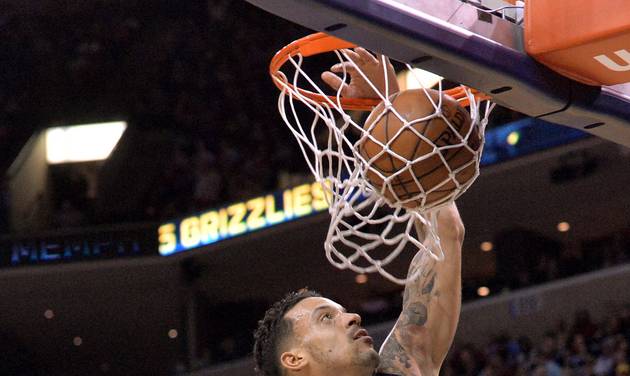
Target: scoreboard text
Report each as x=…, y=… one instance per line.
x=241, y=218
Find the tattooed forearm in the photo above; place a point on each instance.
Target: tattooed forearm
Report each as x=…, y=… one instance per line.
x=429, y=287
x=424, y=267
x=421, y=289
x=431, y=304
x=414, y=314
x=394, y=359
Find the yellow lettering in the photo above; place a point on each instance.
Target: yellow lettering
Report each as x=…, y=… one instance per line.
x=287, y=201
x=237, y=213
x=167, y=239
x=321, y=192
x=271, y=214
x=302, y=200
x=256, y=207
x=209, y=226
x=223, y=223
x=189, y=232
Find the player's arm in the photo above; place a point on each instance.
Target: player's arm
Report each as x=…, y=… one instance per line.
x=425, y=329
x=372, y=67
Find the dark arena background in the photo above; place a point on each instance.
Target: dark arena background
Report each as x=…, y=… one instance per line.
x=108, y=267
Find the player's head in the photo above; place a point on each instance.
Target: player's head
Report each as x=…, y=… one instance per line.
x=307, y=333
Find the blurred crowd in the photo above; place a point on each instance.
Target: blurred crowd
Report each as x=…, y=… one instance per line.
x=196, y=71
x=526, y=258
x=583, y=348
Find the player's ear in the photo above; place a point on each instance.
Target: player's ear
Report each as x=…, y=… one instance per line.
x=293, y=360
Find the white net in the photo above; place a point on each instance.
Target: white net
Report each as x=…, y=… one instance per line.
x=385, y=176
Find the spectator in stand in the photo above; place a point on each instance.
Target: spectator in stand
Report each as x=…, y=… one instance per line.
x=525, y=358
x=545, y=365
x=583, y=324
x=605, y=352
x=467, y=361
x=578, y=358
x=550, y=352
x=621, y=352
x=605, y=363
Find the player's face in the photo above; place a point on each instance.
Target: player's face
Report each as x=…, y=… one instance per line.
x=331, y=336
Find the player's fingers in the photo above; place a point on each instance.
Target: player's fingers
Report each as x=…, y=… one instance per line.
x=380, y=58
x=334, y=82
x=353, y=56
x=366, y=56
x=339, y=68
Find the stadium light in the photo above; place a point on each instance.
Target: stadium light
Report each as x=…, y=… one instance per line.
x=361, y=278
x=82, y=143
x=513, y=138
x=486, y=246
x=483, y=291
x=563, y=226
x=417, y=79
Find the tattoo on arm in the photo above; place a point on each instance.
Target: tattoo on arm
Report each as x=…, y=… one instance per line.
x=425, y=281
x=429, y=287
x=421, y=289
x=401, y=354
x=394, y=358
x=427, y=323
x=414, y=314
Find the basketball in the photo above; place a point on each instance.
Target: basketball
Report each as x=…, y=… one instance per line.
x=410, y=158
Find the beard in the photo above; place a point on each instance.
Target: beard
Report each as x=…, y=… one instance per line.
x=367, y=359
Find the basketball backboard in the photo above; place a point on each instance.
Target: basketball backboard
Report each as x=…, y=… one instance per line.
x=465, y=42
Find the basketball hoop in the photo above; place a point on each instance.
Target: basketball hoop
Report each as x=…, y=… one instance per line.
x=372, y=220
x=319, y=43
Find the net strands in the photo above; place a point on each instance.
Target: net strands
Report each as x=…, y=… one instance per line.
x=372, y=224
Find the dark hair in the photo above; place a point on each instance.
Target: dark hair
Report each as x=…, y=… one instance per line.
x=273, y=329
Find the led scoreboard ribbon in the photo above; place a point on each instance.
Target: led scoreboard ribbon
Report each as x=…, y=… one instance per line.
x=241, y=218
x=78, y=245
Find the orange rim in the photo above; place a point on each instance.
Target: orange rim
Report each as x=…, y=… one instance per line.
x=318, y=43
